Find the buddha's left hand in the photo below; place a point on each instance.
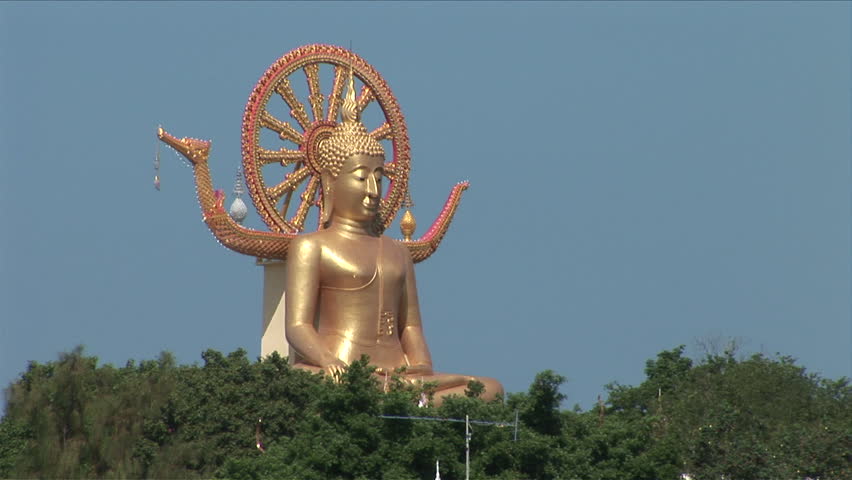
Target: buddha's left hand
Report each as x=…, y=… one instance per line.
x=419, y=369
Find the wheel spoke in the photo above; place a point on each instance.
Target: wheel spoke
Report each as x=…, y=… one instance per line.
x=316, y=97
x=297, y=110
x=285, y=156
x=308, y=198
x=285, y=131
x=289, y=195
x=335, y=98
x=365, y=98
x=383, y=132
x=291, y=181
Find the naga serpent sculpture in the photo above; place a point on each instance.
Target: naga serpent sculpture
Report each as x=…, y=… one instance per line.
x=272, y=193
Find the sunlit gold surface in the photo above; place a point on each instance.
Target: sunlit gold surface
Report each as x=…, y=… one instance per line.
x=304, y=65
x=272, y=196
x=351, y=291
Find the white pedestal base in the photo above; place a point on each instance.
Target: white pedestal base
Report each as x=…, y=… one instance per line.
x=273, y=337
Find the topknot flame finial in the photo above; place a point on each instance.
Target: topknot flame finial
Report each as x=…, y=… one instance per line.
x=349, y=110
x=349, y=137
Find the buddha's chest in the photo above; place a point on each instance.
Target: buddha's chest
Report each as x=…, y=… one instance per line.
x=354, y=264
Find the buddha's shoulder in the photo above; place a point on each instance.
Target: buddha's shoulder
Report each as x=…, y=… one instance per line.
x=390, y=240
x=320, y=239
x=308, y=242
x=397, y=246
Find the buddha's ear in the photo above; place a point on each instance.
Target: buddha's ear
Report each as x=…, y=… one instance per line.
x=327, y=182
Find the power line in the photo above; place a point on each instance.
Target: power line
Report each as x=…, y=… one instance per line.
x=467, y=431
x=460, y=420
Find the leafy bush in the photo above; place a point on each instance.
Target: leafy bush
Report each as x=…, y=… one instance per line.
x=755, y=418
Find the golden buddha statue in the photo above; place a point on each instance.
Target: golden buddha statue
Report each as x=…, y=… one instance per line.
x=351, y=290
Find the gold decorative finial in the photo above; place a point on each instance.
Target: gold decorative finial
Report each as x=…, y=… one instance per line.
x=406, y=201
x=408, y=223
x=349, y=112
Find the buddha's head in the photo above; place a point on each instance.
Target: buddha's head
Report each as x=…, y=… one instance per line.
x=352, y=165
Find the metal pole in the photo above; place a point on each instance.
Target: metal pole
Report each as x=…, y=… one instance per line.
x=466, y=448
x=468, y=431
x=516, y=425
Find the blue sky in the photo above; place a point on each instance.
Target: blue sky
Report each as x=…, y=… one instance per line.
x=643, y=175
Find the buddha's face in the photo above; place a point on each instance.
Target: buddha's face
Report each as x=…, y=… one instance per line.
x=358, y=187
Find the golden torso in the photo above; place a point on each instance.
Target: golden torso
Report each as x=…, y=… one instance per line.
x=361, y=284
x=351, y=292
x=361, y=291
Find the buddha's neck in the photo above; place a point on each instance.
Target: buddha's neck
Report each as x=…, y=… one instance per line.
x=351, y=226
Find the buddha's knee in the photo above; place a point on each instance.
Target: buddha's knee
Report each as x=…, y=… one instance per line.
x=493, y=388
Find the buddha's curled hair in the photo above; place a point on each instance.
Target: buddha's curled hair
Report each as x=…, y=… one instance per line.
x=348, y=138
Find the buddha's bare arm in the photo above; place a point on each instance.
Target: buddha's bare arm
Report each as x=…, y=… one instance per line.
x=411, y=330
x=302, y=286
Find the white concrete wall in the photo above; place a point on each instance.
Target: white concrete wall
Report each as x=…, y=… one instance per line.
x=273, y=337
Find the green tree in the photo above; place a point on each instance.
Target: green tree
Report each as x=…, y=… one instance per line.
x=540, y=411
x=751, y=418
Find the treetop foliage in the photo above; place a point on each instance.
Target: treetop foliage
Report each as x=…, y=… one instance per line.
x=752, y=418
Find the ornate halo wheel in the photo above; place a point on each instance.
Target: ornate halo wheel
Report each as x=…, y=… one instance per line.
x=272, y=189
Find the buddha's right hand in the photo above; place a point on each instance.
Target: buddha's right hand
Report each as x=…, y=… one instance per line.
x=335, y=369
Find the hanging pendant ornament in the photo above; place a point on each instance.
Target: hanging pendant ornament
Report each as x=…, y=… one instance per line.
x=157, y=166
x=238, y=210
